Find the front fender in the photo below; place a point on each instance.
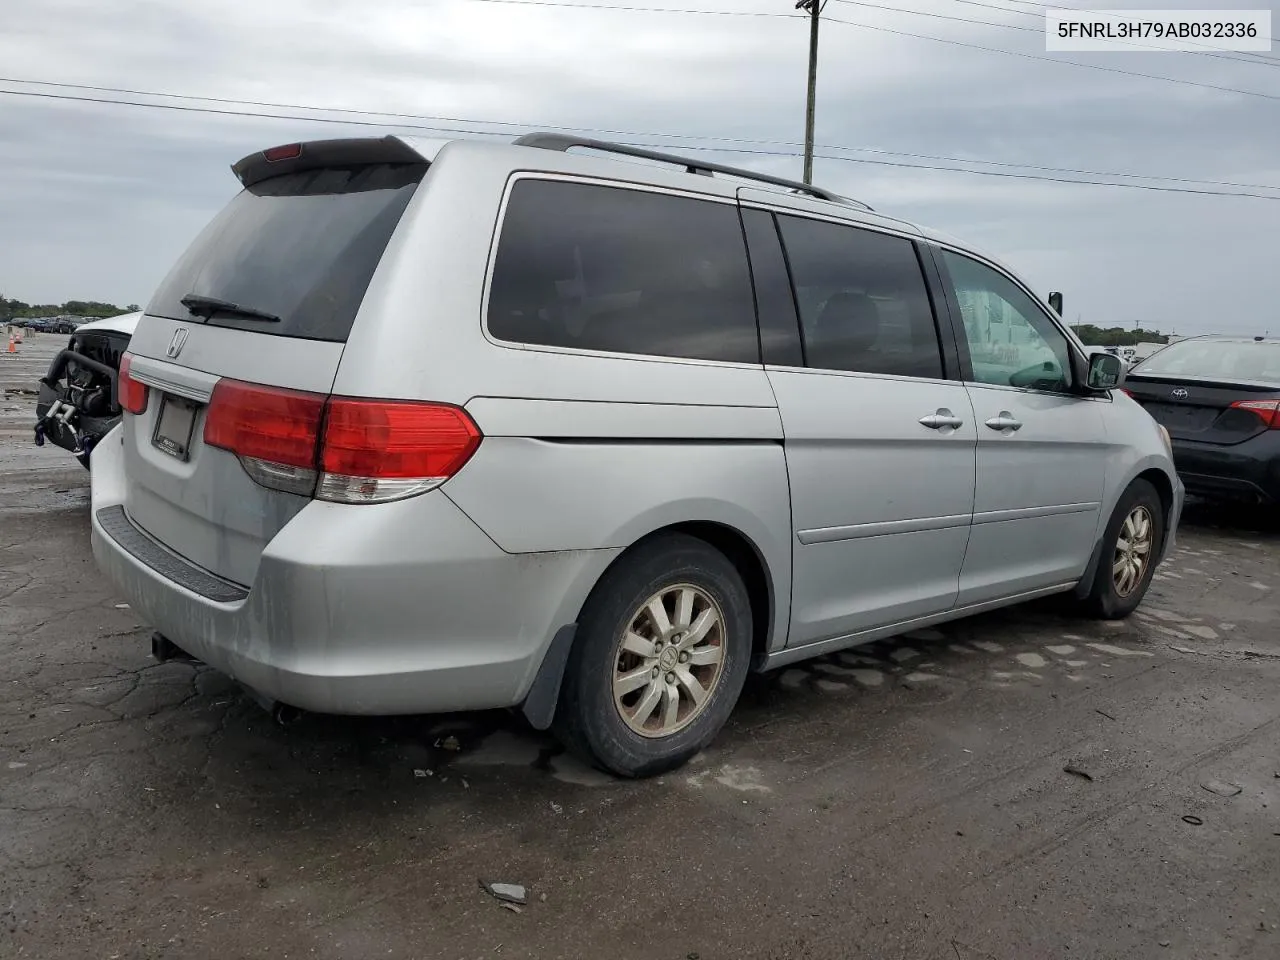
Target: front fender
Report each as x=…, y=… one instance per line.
x=1141, y=466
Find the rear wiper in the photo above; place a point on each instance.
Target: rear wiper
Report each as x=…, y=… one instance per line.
x=206, y=307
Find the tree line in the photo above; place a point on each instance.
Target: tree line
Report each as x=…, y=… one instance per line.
x=16, y=309
x=1116, y=336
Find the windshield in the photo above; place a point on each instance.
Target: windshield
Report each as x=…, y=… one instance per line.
x=301, y=247
x=1216, y=360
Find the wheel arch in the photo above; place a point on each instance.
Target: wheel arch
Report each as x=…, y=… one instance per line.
x=1164, y=487
x=750, y=562
x=1152, y=472
x=740, y=549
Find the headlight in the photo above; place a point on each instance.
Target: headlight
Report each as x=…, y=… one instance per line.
x=1164, y=435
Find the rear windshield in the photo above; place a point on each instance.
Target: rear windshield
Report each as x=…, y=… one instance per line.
x=1216, y=359
x=301, y=246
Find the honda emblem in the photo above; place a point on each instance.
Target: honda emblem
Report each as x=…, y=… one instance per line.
x=179, y=338
x=1180, y=393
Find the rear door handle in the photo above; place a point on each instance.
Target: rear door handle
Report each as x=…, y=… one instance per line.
x=1005, y=421
x=941, y=419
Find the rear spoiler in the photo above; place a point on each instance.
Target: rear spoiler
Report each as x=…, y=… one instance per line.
x=296, y=157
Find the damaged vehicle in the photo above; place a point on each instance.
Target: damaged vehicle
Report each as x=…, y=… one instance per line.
x=78, y=403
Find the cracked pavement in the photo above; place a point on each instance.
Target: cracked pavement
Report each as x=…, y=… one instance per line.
x=902, y=800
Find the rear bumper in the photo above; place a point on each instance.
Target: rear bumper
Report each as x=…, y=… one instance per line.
x=1245, y=471
x=372, y=609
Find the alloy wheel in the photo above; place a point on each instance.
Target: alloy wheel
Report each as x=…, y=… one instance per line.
x=1133, y=550
x=669, y=660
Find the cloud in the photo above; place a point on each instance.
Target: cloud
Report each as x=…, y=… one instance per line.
x=97, y=201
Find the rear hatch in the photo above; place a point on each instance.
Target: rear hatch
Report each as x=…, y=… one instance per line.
x=267, y=294
x=1208, y=411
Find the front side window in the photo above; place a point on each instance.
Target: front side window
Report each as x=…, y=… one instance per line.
x=623, y=271
x=864, y=306
x=1012, y=342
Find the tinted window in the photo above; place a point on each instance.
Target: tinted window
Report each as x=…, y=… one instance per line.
x=1226, y=359
x=603, y=268
x=863, y=302
x=775, y=304
x=1012, y=342
x=302, y=246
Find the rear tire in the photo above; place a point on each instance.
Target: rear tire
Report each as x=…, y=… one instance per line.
x=661, y=655
x=1130, y=547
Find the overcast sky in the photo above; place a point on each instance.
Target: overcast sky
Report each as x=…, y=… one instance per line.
x=97, y=201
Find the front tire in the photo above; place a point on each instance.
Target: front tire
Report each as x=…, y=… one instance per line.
x=1130, y=546
x=662, y=652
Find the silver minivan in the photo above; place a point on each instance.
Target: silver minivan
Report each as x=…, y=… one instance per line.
x=419, y=426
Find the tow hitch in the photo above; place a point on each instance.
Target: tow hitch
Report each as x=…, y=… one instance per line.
x=163, y=650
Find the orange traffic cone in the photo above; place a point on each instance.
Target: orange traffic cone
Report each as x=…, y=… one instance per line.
x=13, y=344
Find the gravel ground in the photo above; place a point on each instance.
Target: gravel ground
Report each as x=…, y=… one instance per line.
x=904, y=800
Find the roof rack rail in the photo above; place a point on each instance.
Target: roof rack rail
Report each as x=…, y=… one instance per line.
x=564, y=142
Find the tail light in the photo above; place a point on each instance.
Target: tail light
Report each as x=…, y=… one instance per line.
x=343, y=449
x=1267, y=410
x=274, y=432
x=375, y=450
x=130, y=393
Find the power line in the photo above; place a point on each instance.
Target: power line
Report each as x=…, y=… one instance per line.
x=1037, y=30
x=992, y=6
x=717, y=149
x=901, y=33
x=1074, y=170
x=938, y=16
x=1038, y=177
x=420, y=119
x=186, y=108
x=1065, y=63
x=635, y=9
x=515, y=125
x=983, y=173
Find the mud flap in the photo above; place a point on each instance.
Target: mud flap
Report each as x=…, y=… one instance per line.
x=539, y=707
x=1086, y=580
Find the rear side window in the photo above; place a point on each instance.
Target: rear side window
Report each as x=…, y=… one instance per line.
x=302, y=247
x=864, y=306
x=624, y=271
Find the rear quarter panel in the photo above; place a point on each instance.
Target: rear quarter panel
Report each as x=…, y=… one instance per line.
x=553, y=476
x=582, y=451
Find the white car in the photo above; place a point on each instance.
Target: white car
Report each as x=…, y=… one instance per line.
x=78, y=402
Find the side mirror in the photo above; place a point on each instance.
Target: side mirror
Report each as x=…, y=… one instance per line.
x=1055, y=301
x=1106, y=372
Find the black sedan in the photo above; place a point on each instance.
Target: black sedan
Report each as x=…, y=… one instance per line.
x=1219, y=398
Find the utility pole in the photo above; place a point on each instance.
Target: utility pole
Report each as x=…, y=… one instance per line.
x=814, y=7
